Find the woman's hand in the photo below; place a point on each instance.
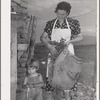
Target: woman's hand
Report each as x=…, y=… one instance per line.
x=52, y=50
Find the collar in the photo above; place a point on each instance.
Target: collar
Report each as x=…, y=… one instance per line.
x=64, y=24
x=64, y=21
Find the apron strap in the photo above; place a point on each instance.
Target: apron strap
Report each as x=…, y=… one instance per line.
x=55, y=23
x=66, y=23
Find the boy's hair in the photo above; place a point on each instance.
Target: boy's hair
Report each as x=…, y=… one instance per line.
x=31, y=62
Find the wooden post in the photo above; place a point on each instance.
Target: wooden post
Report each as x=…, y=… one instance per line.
x=32, y=31
x=13, y=58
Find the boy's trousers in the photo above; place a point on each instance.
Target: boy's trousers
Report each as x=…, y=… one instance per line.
x=32, y=94
x=35, y=94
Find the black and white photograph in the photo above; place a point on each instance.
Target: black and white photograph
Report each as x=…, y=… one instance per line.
x=53, y=50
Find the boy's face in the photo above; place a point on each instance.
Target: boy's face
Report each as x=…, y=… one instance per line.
x=32, y=69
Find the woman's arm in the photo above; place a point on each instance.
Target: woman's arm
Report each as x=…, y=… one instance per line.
x=43, y=39
x=76, y=35
x=78, y=38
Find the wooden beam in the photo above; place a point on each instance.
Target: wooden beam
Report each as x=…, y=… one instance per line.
x=22, y=46
x=13, y=59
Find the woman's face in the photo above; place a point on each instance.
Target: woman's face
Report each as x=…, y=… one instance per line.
x=61, y=14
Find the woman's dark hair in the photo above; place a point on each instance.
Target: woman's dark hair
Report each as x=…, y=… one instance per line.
x=63, y=6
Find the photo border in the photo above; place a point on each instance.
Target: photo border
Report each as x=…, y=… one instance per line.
x=5, y=49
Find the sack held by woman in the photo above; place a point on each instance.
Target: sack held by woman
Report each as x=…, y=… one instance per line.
x=67, y=68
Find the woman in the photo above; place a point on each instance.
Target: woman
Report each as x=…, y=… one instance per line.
x=60, y=29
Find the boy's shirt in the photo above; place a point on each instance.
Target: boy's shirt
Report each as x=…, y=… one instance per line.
x=36, y=81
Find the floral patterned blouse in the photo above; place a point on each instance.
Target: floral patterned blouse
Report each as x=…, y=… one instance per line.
x=73, y=23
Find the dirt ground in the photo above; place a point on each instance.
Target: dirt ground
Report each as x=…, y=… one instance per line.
x=82, y=93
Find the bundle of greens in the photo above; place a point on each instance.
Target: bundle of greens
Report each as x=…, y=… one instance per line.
x=59, y=46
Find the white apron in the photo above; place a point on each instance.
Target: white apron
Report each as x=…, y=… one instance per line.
x=56, y=35
x=59, y=33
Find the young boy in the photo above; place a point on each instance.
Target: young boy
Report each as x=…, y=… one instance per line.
x=33, y=81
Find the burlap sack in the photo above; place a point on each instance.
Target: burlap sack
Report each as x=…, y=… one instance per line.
x=67, y=69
